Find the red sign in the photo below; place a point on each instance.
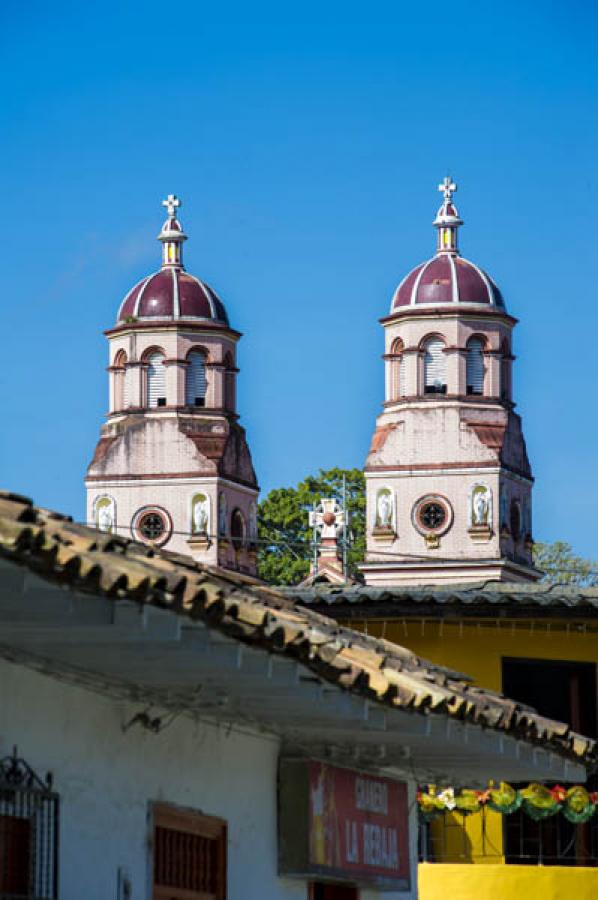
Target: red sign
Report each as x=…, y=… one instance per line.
x=358, y=824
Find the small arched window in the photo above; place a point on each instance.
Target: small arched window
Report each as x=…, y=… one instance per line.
x=237, y=528
x=475, y=366
x=397, y=371
x=196, y=384
x=156, y=379
x=434, y=366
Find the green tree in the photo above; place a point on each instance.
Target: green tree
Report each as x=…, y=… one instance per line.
x=283, y=524
x=561, y=566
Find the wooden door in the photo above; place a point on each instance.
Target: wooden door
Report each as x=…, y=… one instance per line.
x=326, y=891
x=15, y=856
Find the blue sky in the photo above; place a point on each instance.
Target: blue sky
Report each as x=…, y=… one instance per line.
x=306, y=142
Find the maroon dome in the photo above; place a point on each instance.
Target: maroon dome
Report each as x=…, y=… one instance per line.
x=172, y=294
x=444, y=280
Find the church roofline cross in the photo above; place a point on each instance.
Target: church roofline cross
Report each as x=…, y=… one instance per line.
x=171, y=203
x=447, y=187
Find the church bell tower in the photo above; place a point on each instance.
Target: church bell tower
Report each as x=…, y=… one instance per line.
x=448, y=478
x=172, y=467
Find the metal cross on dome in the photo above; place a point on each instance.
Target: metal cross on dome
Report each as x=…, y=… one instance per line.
x=171, y=203
x=448, y=188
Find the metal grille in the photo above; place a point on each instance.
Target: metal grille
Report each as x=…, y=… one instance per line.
x=28, y=833
x=196, y=383
x=151, y=526
x=475, y=367
x=189, y=856
x=434, y=367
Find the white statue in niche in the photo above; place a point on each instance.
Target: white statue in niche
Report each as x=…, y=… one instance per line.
x=200, y=514
x=481, y=505
x=104, y=514
x=384, y=509
x=222, y=515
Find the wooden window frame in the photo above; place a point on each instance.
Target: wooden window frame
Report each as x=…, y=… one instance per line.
x=191, y=822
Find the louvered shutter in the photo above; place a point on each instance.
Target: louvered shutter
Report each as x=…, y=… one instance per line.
x=402, y=379
x=434, y=367
x=196, y=379
x=156, y=380
x=126, y=387
x=475, y=367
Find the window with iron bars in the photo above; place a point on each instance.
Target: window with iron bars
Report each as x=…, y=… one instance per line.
x=189, y=855
x=28, y=833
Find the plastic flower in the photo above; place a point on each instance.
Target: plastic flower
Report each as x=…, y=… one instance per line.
x=447, y=796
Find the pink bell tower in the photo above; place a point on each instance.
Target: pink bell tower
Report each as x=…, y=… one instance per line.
x=448, y=478
x=172, y=467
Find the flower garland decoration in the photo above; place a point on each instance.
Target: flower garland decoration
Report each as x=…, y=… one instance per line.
x=537, y=801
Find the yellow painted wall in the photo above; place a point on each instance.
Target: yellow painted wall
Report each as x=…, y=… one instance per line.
x=438, y=882
x=477, y=649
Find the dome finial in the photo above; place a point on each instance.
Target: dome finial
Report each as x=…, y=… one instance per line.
x=172, y=235
x=172, y=203
x=447, y=220
x=447, y=187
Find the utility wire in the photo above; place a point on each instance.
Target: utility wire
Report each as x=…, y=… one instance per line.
x=307, y=547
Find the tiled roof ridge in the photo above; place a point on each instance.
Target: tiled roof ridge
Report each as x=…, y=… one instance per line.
x=87, y=560
x=484, y=592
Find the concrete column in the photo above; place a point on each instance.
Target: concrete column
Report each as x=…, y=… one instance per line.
x=136, y=374
x=492, y=377
x=455, y=381
x=215, y=377
x=175, y=381
x=412, y=361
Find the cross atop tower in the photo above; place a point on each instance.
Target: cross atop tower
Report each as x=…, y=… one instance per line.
x=171, y=203
x=329, y=520
x=172, y=236
x=328, y=517
x=448, y=188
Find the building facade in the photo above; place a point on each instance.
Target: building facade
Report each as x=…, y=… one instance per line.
x=448, y=477
x=172, y=466
x=535, y=643
x=208, y=739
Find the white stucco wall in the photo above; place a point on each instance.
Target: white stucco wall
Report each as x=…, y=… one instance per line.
x=107, y=780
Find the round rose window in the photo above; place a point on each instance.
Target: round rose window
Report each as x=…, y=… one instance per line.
x=432, y=515
x=152, y=525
